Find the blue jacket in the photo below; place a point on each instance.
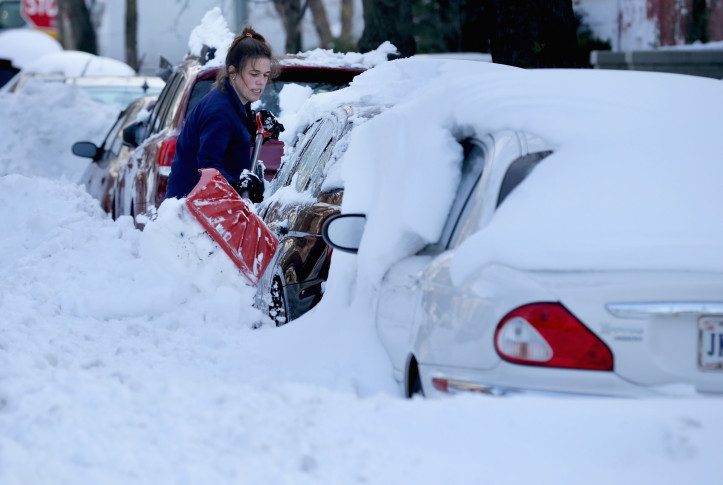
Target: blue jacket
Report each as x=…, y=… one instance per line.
x=217, y=134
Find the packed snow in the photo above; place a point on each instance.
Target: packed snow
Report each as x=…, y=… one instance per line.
x=213, y=31
x=130, y=357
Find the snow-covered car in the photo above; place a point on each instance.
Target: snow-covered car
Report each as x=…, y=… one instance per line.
x=99, y=178
x=143, y=185
x=64, y=64
x=580, y=250
x=304, y=193
x=19, y=47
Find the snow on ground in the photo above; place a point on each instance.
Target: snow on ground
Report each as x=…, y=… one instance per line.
x=129, y=357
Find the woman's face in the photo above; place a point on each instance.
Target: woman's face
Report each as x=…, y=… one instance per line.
x=251, y=81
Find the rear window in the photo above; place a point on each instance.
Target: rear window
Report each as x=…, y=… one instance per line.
x=517, y=172
x=200, y=89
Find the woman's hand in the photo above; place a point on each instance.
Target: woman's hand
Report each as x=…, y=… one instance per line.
x=249, y=186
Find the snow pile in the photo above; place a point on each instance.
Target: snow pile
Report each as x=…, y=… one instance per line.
x=43, y=149
x=327, y=57
x=213, y=32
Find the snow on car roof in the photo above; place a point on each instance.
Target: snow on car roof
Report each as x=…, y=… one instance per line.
x=213, y=32
x=77, y=63
x=22, y=46
x=632, y=184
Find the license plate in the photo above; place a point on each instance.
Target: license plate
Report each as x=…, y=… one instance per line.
x=710, y=348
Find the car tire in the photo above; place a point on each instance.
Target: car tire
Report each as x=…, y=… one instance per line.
x=277, y=303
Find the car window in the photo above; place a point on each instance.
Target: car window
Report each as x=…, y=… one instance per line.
x=288, y=167
x=200, y=89
x=270, y=98
x=116, y=141
x=470, y=217
x=473, y=165
x=109, y=150
x=156, y=122
x=168, y=88
x=315, y=155
x=174, y=101
x=517, y=172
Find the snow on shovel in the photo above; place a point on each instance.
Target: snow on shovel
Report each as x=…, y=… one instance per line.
x=231, y=221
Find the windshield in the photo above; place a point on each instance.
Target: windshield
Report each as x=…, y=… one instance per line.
x=121, y=95
x=270, y=99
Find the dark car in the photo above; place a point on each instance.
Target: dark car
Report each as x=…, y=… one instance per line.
x=301, y=197
x=142, y=187
x=108, y=158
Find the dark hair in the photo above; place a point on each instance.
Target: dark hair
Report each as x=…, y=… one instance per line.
x=247, y=46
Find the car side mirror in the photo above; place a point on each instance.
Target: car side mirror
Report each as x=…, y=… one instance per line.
x=86, y=149
x=130, y=134
x=344, y=231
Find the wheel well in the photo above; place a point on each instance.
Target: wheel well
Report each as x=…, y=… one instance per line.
x=412, y=375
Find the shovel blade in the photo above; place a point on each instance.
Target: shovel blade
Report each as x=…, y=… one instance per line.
x=231, y=221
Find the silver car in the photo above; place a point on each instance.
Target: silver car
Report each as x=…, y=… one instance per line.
x=505, y=329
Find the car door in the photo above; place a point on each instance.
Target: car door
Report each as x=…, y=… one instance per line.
x=96, y=176
x=404, y=285
x=301, y=262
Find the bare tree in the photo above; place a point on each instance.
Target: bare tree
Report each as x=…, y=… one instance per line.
x=75, y=30
x=347, y=16
x=388, y=20
x=321, y=22
x=291, y=13
x=132, y=34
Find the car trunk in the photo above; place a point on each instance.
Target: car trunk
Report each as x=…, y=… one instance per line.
x=663, y=328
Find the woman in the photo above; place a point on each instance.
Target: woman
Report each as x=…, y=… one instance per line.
x=219, y=130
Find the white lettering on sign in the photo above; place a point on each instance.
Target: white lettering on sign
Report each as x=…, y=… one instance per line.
x=43, y=8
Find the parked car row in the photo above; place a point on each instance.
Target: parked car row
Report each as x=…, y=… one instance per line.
x=480, y=307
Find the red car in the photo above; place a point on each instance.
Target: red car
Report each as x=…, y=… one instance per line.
x=142, y=186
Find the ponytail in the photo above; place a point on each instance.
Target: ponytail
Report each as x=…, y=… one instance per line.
x=247, y=46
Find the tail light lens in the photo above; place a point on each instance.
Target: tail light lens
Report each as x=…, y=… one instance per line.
x=166, y=152
x=547, y=334
x=163, y=161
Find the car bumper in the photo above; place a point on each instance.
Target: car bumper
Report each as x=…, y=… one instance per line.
x=504, y=380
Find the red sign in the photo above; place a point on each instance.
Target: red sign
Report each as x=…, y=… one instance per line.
x=41, y=13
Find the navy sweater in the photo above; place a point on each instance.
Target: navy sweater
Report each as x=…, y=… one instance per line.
x=216, y=135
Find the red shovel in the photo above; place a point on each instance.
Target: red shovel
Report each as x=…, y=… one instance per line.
x=231, y=221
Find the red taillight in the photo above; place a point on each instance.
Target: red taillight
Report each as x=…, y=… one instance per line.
x=546, y=334
x=166, y=152
x=440, y=384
